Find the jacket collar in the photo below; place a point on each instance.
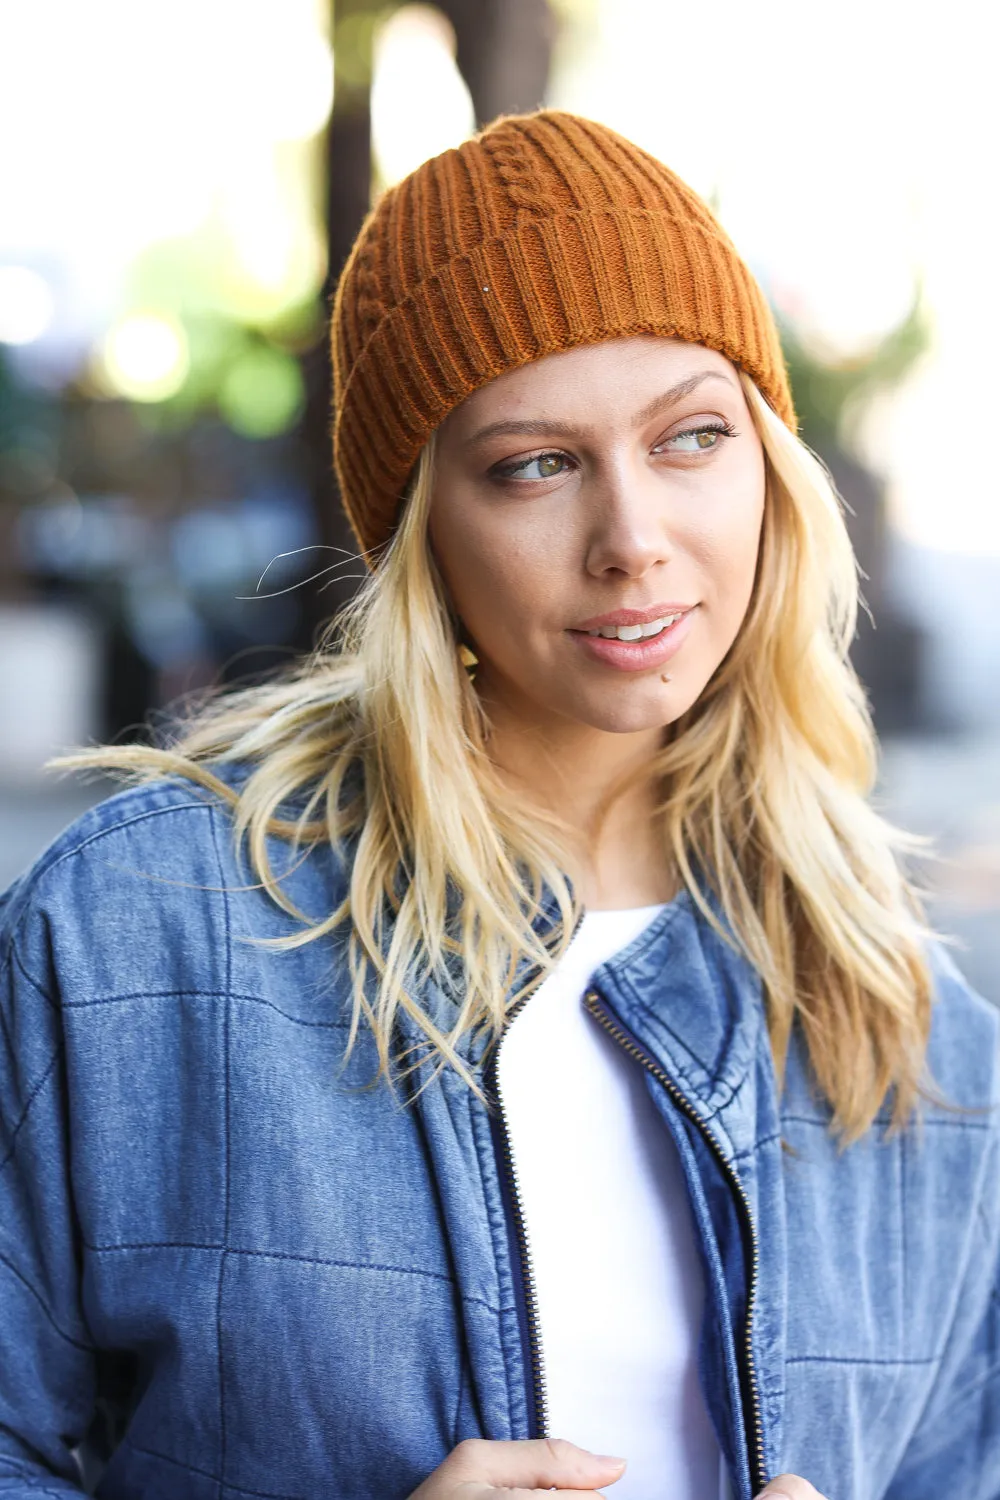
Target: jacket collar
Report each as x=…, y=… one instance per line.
x=692, y=998
x=686, y=993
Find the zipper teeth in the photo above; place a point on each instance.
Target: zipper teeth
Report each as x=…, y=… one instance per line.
x=592, y=1000
x=527, y=1270
x=527, y=1277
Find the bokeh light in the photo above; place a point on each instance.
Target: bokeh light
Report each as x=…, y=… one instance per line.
x=262, y=393
x=145, y=357
x=420, y=102
x=27, y=306
x=179, y=116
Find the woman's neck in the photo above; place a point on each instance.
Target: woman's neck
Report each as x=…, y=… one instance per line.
x=571, y=770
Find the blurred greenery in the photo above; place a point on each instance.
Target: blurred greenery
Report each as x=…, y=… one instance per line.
x=356, y=23
x=830, y=393
x=262, y=393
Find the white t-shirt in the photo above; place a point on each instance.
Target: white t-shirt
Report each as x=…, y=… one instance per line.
x=617, y=1276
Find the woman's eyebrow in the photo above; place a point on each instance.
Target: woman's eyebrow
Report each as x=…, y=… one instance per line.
x=677, y=393
x=540, y=426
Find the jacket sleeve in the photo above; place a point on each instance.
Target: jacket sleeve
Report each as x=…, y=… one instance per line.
x=955, y=1448
x=47, y=1360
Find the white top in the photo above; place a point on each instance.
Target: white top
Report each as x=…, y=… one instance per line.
x=617, y=1275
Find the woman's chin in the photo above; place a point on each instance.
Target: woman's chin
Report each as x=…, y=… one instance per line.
x=631, y=708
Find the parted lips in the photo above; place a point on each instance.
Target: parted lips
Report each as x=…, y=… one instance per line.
x=544, y=232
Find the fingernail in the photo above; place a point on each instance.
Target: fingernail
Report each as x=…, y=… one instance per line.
x=607, y=1458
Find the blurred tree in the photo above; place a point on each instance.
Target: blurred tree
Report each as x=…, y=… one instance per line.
x=830, y=397
x=503, y=51
x=346, y=164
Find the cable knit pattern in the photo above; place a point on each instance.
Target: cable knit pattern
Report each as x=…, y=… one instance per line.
x=506, y=149
x=544, y=232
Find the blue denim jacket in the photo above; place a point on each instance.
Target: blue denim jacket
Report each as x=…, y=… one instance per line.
x=230, y=1269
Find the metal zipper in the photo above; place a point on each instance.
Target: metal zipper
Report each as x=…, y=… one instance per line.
x=541, y=1410
x=596, y=1006
x=506, y=1158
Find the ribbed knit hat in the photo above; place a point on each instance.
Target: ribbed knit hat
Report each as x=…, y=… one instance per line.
x=544, y=232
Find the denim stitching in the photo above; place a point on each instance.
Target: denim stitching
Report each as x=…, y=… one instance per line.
x=883, y=1120
x=30, y=1101
x=308, y=1260
x=296, y=1020
x=226, y=1211
x=479, y=1127
x=100, y=833
x=751, y=1151
x=207, y=994
x=153, y=1245
x=218, y=1341
x=125, y=999
x=857, y=1359
x=458, y=1401
x=68, y=1338
x=35, y=983
x=904, y=1259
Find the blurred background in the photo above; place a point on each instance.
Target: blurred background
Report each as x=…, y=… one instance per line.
x=179, y=187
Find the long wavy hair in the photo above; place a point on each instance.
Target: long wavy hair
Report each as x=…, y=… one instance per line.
x=763, y=788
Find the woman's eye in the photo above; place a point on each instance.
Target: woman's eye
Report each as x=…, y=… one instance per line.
x=698, y=439
x=543, y=466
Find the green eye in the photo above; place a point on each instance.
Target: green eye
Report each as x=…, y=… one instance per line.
x=688, y=441
x=699, y=439
x=543, y=466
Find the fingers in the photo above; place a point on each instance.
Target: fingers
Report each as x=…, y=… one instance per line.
x=478, y=1492
x=789, y=1487
x=538, y=1464
x=483, y=1492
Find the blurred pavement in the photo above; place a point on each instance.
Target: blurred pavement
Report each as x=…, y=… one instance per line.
x=950, y=788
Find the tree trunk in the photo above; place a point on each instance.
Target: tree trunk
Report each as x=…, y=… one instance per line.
x=347, y=174
x=504, y=52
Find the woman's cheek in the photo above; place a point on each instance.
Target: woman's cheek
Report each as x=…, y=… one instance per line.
x=726, y=543
x=511, y=579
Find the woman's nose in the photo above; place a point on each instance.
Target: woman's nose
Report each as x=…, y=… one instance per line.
x=628, y=530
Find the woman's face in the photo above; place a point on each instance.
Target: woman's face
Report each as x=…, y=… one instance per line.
x=587, y=497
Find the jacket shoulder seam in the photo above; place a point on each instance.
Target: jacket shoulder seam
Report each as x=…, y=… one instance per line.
x=116, y=827
x=15, y=958
x=44, y=870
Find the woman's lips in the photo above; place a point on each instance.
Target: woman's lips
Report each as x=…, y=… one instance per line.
x=636, y=656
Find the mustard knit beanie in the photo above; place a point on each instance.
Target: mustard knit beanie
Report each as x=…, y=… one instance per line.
x=544, y=232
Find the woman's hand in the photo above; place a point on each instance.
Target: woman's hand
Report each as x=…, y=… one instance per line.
x=479, y=1467
x=789, y=1487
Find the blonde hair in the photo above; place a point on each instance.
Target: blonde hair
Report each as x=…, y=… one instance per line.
x=765, y=784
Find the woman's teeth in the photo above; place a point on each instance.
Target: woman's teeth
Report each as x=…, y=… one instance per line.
x=634, y=632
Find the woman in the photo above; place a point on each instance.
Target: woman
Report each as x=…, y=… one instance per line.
x=514, y=1038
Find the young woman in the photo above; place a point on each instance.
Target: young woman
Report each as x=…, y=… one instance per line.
x=514, y=1039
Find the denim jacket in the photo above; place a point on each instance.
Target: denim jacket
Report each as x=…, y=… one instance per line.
x=231, y=1267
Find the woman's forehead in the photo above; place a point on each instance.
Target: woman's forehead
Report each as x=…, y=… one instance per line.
x=623, y=375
